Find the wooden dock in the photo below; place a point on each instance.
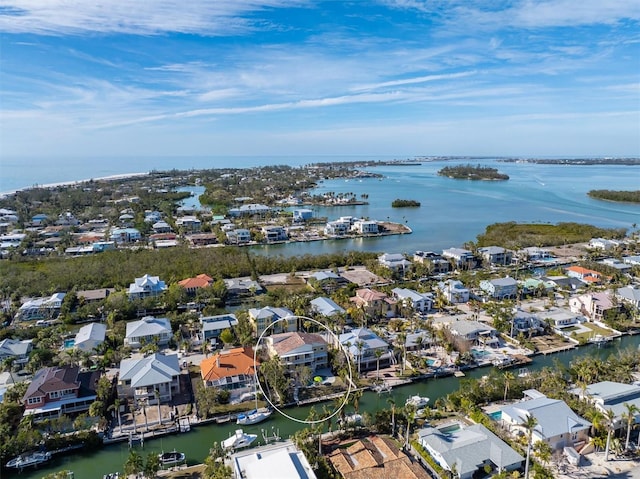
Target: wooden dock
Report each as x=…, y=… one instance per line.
x=565, y=347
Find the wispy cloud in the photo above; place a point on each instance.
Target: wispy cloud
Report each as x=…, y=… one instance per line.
x=412, y=81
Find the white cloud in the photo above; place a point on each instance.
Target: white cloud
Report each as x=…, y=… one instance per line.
x=411, y=81
x=79, y=17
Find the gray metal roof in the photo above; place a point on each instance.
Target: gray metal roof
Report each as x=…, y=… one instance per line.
x=154, y=369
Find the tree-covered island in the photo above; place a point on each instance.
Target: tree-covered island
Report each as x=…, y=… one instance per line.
x=472, y=172
x=612, y=195
x=398, y=203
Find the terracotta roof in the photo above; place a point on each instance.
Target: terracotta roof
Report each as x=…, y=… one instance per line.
x=375, y=457
x=200, y=281
x=232, y=362
x=52, y=379
x=370, y=295
x=291, y=341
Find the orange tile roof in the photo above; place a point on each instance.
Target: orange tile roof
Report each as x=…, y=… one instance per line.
x=200, y=281
x=232, y=362
x=294, y=340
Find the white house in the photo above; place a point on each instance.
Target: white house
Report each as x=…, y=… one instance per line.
x=500, y=288
x=614, y=396
x=15, y=348
x=461, y=258
x=454, y=291
x=148, y=330
x=394, y=261
x=41, y=308
x=147, y=380
x=298, y=349
x=263, y=318
x=365, y=227
x=146, y=286
x=362, y=345
x=421, y=302
x=496, y=255
x=630, y=295
x=90, y=336
x=282, y=460
x=326, y=306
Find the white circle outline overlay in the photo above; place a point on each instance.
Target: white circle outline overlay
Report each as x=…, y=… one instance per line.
x=295, y=419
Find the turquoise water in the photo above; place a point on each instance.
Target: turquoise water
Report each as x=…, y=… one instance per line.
x=69, y=343
x=480, y=352
x=449, y=429
x=430, y=362
x=496, y=415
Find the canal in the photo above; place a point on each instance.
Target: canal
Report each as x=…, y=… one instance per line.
x=196, y=443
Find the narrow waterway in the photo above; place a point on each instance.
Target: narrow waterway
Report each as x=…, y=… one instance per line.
x=196, y=443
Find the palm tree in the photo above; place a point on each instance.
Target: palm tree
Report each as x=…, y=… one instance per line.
x=609, y=417
x=508, y=376
x=7, y=365
x=134, y=464
x=378, y=353
x=529, y=424
x=360, y=345
x=411, y=414
x=116, y=406
x=392, y=403
x=630, y=416
x=156, y=394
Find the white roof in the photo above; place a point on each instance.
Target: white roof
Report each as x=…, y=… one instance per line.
x=281, y=460
x=91, y=332
x=148, y=326
x=149, y=371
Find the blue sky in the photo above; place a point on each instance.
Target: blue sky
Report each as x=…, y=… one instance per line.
x=276, y=77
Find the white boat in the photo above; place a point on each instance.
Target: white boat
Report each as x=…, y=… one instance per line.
x=238, y=440
x=382, y=388
x=27, y=460
x=173, y=457
x=352, y=419
x=253, y=417
x=112, y=475
x=600, y=340
x=523, y=372
x=417, y=401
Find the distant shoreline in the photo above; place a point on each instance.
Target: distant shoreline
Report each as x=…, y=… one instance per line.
x=122, y=176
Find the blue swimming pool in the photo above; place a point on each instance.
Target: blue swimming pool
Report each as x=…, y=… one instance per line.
x=430, y=362
x=69, y=343
x=449, y=428
x=495, y=415
x=480, y=352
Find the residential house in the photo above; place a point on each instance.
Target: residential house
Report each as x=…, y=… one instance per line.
x=274, y=233
x=90, y=336
x=232, y=370
x=337, y=228
x=500, y=288
x=202, y=239
x=436, y=261
x=238, y=236
x=327, y=281
x=585, y=275
x=15, y=348
x=526, y=323
x=212, y=326
x=603, y=244
x=560, y=318
x=326, y=306
x=249, y=210
x=152, y=216
x=473, y=331
x=557, y=424
x=460, y=258
x=633, y=260
x=365, y=227
x=374, y=457
x=395, y=262
x=298, y=350
x=615, y=263
x=192, y=285
x=362, y=344
x=593, y=305
x=454, y=291
x=95, y=295
x=41, y=308
x=564, y=282
x=273, y=320
x=534, y=253
x=629, y=295
x=468, y=450
x=420, y=302
x=374, y=303
x=282, y=460
x=614, y=396
x=536, y=287
x=146, y=286
x=496, y=255
x=125, y=235
x=147, y=331
x=161, y=227
x=238, y=288
x=152, y=379
x=189, y=224
x=56, y=391
x=302, y=214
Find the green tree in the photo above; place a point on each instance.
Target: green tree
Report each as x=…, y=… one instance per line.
x=609, y=418
x=227, y=337
x=631, y=410
x=215, y=467
x=152, y=465
x=134, y=463
x=529, y=424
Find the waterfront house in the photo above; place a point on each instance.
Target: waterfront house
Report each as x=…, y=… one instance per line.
x=202, y=239
x=614, y=396
x=594, y=306
x=365, y=227
x=460, y=258
x=90, y=336
x=298, y=350
x=238, y=236
x=468, y=449
x=146, y=286
x=603, y=244
x=629, y=295
x=161, y=227
x=585, y=275
x=189, y=224
x=500, y=288
x=534, y=253
x=302, y=214
x=95, y=295
x=326, y=306
x=15, y=348
x=148, y=330
x=282, y=319
x=420, y=302
x=559, y=318
x=274, y=233
x=238, y=288
x=282, y=460
x=454, y=291
x=232, y=370
x=362, y=344
x=395, y=262
x=526, y=323
x=374, y=457
x=437, y=263
x=374, y=303
x=337, y=228
x=618, y=265
x=192, y=285
x=557, y=424
x=41, y=308
x=473, y=331
x=150, y=379
x=55, y=391
x=249, y=210
x=496, y=255
x=212, y=326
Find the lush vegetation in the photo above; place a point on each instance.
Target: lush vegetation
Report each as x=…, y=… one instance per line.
x=611, y=195
x=521, y=235
x=472, y=172
x=398, y=203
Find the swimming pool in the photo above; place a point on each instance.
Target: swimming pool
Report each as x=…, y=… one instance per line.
x=430, y=362
x=480, y=352
x=448, y=429
x=69, y=343
x=495, y=415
